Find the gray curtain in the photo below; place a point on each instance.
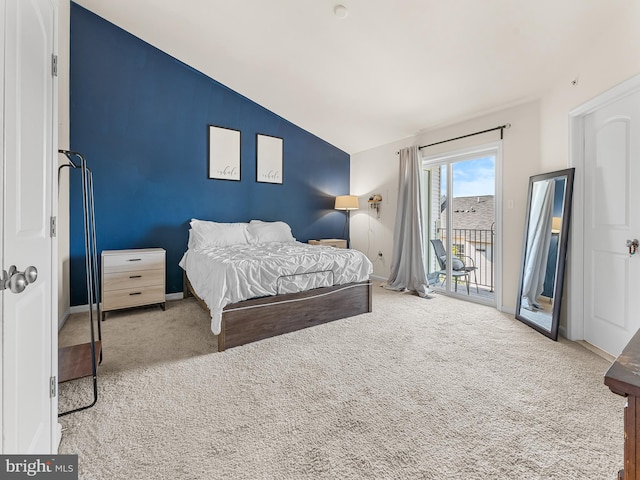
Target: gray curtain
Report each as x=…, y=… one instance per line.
x=538, y=240
x=408, y=270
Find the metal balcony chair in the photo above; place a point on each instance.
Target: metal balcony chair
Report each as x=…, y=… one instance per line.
x=458, y=267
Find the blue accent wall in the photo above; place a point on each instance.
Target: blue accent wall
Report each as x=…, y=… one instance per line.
x=140, y=117
x=558, y=197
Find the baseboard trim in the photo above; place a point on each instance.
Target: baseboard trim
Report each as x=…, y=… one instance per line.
x=78, y=309
x=562, y=331
x=58, y=434
x=63, y=319
x=597, y=351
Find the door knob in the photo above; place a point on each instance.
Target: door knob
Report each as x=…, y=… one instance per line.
x=632, y=245
x=31, y=273
x=17, y=281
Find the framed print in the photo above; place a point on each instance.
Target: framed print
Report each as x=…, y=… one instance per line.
x=269, y=158
x=224, y=153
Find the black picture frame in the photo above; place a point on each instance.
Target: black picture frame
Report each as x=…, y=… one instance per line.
x=224, y=153
x=269, y=159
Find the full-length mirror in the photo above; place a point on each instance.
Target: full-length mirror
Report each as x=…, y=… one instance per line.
x=543, y=254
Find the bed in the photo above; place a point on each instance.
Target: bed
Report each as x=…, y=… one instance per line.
x=256, y=281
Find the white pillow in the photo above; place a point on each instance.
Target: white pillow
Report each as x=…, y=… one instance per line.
x=213, y=234
x=266, y=232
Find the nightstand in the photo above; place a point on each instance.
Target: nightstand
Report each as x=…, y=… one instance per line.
x=132, y=278
x=331, y=242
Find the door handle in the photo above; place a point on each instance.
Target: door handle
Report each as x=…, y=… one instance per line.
x=632, y=245
x=17, y=281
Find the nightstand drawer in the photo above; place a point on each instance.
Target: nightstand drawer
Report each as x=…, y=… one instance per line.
x=133, y=261
x=133, y=297
x=132, y=279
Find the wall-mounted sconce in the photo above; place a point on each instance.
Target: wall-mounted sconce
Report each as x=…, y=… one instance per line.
x=374, y=202
x=348, y=203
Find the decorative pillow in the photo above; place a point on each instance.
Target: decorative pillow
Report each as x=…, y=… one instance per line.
x=213, y=234
x=456, y=263
x=266, y=232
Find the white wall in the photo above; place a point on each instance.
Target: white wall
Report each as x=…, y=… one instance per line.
x=612, y=57
x=537, y=142
x=376, y=171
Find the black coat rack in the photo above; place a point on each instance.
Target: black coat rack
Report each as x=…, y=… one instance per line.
x=82, y=360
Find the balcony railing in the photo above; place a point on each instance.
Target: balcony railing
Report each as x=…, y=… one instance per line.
x=477, y=244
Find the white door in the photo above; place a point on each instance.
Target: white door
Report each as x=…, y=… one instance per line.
x=29, y=353
x=612, y=216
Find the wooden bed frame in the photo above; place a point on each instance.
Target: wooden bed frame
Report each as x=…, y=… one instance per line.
x=260, y=318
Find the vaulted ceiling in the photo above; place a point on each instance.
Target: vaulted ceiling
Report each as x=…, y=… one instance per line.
x=387, y=70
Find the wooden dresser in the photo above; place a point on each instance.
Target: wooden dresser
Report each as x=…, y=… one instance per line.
x=132, y=278
x=623, y=378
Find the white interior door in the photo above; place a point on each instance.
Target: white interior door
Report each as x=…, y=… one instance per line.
x=29, y=354
x=612, y=216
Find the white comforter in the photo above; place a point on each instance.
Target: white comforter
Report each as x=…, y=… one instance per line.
x=224, y=275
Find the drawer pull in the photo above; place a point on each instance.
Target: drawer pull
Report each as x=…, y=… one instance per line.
x=136, y=293
x=134, y=259
x=135, y=276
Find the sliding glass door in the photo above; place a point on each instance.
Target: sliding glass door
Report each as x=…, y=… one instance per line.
x=461, y=224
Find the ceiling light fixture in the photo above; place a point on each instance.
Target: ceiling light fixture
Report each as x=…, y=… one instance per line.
x=340, y=11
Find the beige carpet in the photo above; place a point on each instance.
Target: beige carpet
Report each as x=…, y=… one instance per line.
x=418, y=389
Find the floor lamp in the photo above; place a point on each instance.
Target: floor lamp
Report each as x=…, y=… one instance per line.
x=347, y=203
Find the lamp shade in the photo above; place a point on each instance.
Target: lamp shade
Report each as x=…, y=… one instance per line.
x=346, y=202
